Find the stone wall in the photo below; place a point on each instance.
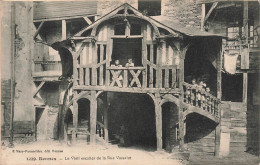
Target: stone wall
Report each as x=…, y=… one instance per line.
x=6, y=102
x=23, y=106
x=185, y=12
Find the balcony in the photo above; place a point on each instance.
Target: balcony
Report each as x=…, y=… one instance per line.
x=164, y=79
x=47, y=70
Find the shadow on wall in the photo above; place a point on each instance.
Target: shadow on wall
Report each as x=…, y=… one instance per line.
x=198, y=127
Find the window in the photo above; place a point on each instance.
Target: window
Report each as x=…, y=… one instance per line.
x=253, y=37
x=150, y=7
x=233, y=36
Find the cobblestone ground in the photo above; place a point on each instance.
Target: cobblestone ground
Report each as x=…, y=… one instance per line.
x=44, y=152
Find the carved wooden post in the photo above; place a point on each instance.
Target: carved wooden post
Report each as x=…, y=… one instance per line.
x=93, y=117
x=158, y=121
x=75, y=120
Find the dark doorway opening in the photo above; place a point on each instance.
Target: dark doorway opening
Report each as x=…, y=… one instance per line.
x=124, y=49
x=169, y=126
x=131, y=120
x=232, y=86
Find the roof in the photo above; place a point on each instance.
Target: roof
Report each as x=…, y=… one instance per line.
x=159, y=21
x=189, y=31
x=212, y=1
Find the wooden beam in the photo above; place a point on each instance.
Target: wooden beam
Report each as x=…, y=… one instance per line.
x=214, y=5
x=93, y=117
x=64, y=29
x=38, y=89
x=87, y=20
x=245, y=84
x=158, y=121
x=203, y=13
x=75, y=120
x=130, y=90
x=38, y=30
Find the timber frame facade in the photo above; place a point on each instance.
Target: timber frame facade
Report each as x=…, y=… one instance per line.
x=87, y=58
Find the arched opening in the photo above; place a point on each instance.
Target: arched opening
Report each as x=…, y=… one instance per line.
x=200, y=133
x=130, y=119
x=83, y=128
x=169, y=126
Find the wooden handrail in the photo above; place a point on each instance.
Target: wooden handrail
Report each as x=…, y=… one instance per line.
x=125, y=68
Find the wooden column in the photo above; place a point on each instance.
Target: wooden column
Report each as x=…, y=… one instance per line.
x=181, y=117
x=144, y=54
x=158, y=121
x=75, y=120
x=246, y=59
x=105, y=117
x=93, y=117
x=219, y=95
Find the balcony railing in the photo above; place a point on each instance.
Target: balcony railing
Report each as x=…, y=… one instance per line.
x=149, y=77
x=47, y=68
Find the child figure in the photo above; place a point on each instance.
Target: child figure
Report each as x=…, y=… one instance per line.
x=192, y=97
x=130, y=63
x=117, y=63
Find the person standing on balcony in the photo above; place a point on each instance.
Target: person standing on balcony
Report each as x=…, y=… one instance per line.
x=130, y=63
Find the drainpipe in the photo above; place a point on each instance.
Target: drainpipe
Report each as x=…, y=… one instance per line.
x=13, y=52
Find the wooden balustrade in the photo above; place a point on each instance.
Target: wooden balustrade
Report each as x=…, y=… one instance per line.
x=127, y=77
x=41, y=66
x=197, y=96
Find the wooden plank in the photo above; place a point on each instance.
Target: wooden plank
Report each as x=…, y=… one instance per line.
x=125, y=81
x=38, y=30
x=94, y=61
x=101, y=78
x=93, y=117
x=203, y=13
x=151, y=68
x=166, y=82
x=87, y=75
x=173, y=85
x=38, y=89
x=81, y=76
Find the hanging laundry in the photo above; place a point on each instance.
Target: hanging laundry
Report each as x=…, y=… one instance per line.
x=230, y=61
